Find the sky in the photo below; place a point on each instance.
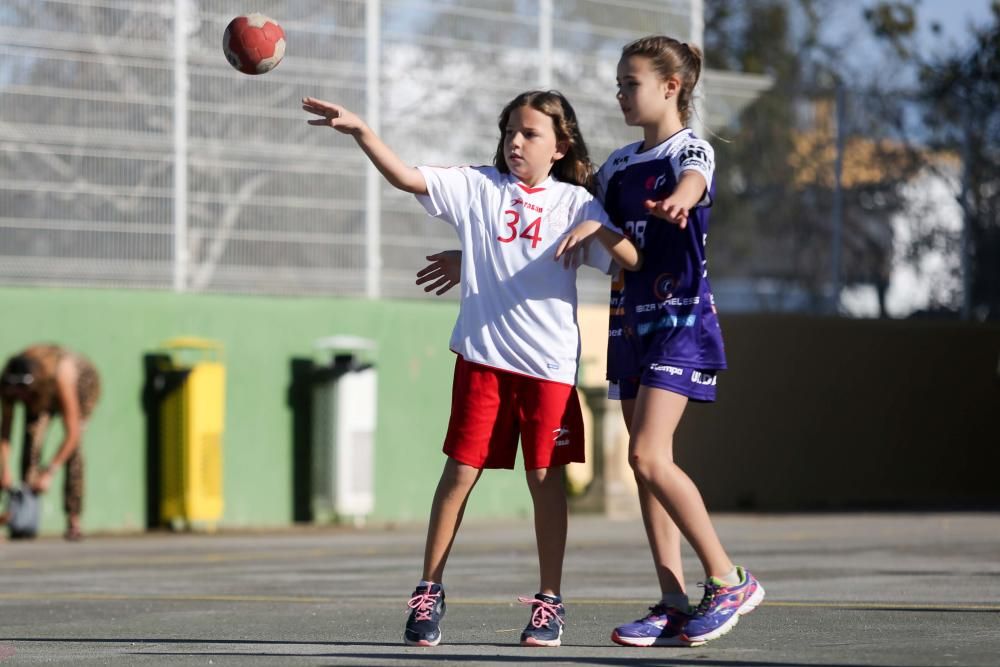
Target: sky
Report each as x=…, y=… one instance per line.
x=954, y=16
x=866, y=56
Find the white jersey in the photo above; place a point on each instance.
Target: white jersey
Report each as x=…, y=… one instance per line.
x=518, y=307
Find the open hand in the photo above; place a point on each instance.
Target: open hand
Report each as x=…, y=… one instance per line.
x=572, y=246
x=333, y=115
x=444, y=271
x=668, y=210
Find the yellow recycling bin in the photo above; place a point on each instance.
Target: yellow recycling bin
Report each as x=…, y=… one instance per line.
x=191, y=428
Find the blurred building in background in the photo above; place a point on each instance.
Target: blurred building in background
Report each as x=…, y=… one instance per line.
x=898, y=254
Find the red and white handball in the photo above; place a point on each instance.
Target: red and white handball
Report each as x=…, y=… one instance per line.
x=253, y=43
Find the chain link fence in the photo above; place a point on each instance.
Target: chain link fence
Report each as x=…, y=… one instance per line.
x=133, y=155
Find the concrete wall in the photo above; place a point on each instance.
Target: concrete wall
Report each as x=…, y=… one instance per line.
x=829, y=413
x=813, y=413
x=261, y=337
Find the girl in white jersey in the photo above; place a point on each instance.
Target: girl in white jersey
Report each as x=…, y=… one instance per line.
x=525, y=223
x=665, y=344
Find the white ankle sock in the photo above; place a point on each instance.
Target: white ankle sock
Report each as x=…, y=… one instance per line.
x=731, y=578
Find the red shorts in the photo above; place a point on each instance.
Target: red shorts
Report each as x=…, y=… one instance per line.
x=492, y=408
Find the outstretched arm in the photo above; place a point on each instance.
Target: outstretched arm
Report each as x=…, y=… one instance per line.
x=399, y=174
x=675, y=208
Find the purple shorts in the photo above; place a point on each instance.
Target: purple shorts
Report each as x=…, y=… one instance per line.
x=696, y=384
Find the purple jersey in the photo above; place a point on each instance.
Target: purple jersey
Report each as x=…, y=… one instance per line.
x=665, y=312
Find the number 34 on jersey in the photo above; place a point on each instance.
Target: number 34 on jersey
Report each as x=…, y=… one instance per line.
x=519, y=227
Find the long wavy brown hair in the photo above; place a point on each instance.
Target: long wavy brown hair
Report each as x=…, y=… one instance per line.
x=575, y=166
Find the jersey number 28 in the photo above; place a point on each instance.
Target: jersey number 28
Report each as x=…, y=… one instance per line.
x=636, y=230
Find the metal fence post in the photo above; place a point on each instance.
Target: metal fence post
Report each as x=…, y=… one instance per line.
x=697, y=37
x=373, y=211
x=181, y=90
x=545, y=44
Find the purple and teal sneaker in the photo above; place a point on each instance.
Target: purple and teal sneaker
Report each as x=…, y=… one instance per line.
x=547, y=619
x=721, y=607
x=663, y=626
x=423, y=627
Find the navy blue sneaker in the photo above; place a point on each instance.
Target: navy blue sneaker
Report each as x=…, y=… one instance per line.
x=423, y=627
x=662, y=626
x=547, y=619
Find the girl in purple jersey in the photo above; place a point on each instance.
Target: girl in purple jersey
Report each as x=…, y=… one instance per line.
x=664, y=344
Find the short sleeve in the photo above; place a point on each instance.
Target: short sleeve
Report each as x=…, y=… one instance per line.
x=593, y=210
x=595, y=254
x=602, y=181
x=697, y=155
x=450, y=191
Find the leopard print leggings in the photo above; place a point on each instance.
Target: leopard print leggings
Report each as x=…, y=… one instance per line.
x=31, y=457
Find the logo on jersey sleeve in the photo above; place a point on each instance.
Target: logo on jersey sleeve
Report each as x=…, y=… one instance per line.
x=694, y=155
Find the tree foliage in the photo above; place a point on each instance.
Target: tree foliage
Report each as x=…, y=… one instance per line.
x=961, y=95
x=775, y=217
x=958, y=96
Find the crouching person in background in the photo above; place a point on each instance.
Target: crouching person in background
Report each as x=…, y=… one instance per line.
x=49, y=380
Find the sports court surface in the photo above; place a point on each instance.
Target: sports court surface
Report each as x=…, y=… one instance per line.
x=899, y=590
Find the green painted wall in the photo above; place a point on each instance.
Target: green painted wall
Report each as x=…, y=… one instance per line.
x=261, y=335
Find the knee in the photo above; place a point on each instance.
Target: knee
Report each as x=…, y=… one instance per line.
x=459, y=475
x=645, y=466
x=543, y=478
x=640, y=468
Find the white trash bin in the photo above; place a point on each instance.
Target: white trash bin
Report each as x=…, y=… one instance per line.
x=344, y=413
